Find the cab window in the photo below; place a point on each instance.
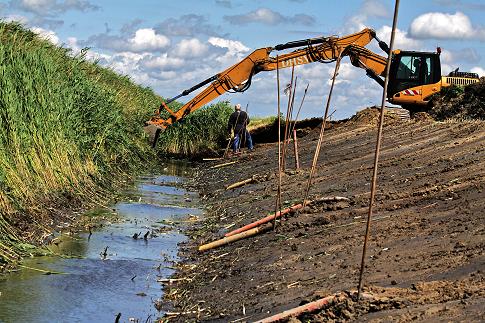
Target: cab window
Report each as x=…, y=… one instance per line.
x=409, y=68
x=428, y=71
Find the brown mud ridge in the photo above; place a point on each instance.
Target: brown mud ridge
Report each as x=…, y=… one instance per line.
x=425, y=258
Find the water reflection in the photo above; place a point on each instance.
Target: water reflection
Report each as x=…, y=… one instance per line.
x=96, y=290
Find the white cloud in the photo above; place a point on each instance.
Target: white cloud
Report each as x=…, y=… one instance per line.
x=190, y=48
x=479, y=70
x=52, y=7
x=18, y=18
x=347, y=73
x=445, y=26
x=47, y=34
x=401, y=39
x=269, y=17
x=147, y=40
x=369, y=8
x=37, y=6
x=464, y=55
x=234, y=47
x=163, y=62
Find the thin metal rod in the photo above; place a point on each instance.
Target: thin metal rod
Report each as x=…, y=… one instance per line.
x=322, y=130
x=278, y=197
x=377, y=152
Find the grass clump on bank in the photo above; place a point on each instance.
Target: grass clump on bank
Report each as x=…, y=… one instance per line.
x=68, y=127
x=201, y=132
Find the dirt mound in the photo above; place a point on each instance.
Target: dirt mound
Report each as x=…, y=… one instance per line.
x=371, y=116
x=422, y=116
x=269, y=133
x=379, y=298
x=457, y=102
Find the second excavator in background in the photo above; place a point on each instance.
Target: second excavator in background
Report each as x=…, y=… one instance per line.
x=414, y=76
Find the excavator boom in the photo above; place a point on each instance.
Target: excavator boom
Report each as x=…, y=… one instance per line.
x=238, y=77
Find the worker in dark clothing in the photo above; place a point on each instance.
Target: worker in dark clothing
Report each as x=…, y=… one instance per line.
x=237, y=123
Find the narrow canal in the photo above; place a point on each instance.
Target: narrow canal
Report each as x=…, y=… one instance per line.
x=94, y=285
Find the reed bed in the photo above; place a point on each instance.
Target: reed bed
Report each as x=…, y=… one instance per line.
x=202, y=132
x=68, y=127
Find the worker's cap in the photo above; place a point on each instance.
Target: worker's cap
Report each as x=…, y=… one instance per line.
x=238, y=107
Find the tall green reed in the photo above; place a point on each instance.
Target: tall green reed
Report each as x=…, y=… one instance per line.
x=67, y=126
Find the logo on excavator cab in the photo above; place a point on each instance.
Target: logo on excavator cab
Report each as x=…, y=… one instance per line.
x=295, y=61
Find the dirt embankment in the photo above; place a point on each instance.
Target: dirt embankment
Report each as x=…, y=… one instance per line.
x=426, y=253
x=458, y=102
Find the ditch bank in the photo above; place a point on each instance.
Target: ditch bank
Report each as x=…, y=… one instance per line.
x=425, y=257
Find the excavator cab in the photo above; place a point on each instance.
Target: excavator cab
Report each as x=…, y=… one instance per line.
x=414, y=76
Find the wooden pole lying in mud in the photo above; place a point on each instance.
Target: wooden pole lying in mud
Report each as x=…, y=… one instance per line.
x=377, y=152
x=225, y=164
x=241, y=183
x=235, y=237
x=309, y=307
x=265, y=219
x=322, y=130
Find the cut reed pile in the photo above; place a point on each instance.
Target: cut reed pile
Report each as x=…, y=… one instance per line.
x=67, y=128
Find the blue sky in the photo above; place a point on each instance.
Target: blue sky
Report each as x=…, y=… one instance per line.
x=173, y=45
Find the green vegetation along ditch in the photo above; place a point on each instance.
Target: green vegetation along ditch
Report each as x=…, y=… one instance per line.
x=69, y=128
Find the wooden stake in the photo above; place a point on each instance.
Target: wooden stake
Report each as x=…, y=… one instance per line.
x=295, y=147
x=283, y=158
x=278, y=197
x=322, y=130
x=378, y=147
x=299, y=109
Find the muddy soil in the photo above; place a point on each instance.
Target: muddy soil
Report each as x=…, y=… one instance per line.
x=425, y=258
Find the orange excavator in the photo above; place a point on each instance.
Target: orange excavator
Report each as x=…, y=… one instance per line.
x=414, y=76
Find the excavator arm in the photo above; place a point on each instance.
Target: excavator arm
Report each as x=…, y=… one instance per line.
x=238, y=77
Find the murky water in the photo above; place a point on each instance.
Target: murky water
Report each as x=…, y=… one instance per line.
x=95, y=290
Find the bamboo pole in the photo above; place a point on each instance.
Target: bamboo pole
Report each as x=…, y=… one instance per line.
x=223, y=165
x=322, y=130
x=310, y=307
x=283, y=156
x=377, y=151
x=265, y=219
x=278, y=197
x=236, y=237
x=241, y=183
x=299, y=109
x=295, y=147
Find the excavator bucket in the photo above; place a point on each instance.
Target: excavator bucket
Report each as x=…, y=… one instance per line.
x=153, y=133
